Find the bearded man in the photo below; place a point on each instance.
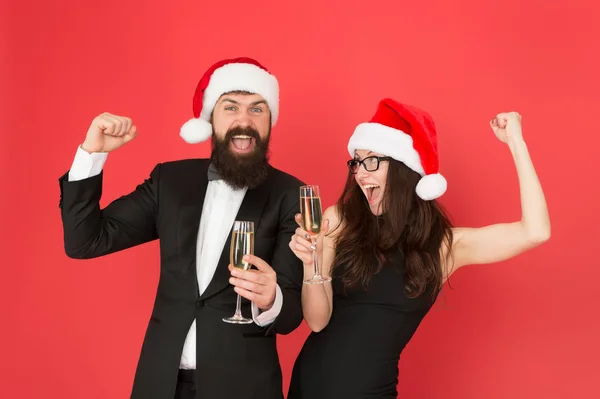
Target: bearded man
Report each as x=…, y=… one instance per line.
x=190, y=206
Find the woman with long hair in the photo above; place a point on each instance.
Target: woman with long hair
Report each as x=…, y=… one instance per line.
x=388, y=247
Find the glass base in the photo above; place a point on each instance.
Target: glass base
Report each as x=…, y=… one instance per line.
x=237, y=320
x=317, y=279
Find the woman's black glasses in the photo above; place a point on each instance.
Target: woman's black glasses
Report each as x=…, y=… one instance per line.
x=371, y=163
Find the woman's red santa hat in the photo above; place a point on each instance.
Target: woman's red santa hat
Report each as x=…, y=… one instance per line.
x=237, y=74
x=408, y=135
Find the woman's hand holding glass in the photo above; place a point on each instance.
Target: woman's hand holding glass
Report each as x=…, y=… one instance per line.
x=302, y=244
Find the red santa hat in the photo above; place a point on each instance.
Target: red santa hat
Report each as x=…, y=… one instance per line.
x=407, y=134
x=237, y=74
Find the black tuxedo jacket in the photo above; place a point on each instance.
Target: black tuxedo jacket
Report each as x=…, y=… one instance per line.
x=233, y=361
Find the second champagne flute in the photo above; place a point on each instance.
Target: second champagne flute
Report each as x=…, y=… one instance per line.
x=312, y=222
x=242, y=243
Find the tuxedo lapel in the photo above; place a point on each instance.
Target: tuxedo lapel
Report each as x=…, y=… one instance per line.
x=190, y=212
x=251, y=210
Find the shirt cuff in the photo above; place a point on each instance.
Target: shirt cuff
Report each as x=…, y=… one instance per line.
x=268, y=317
x=86, y=165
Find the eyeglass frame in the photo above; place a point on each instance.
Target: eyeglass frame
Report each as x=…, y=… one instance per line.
x=362, y=162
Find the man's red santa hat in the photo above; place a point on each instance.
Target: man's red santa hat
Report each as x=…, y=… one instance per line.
x=237, y=74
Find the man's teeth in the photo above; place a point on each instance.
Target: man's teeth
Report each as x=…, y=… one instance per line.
x=242, y=137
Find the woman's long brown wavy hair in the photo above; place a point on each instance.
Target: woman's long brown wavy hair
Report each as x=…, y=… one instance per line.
x=415, y=226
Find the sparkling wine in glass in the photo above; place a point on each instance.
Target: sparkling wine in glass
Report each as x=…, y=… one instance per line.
x=242, y=243
x=312, y=222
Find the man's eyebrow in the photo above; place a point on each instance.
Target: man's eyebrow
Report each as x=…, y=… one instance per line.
x=231, y=100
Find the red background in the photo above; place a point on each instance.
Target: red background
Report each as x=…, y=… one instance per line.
x=523, y=328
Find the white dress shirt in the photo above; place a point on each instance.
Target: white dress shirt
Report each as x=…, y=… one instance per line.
x=221, y=205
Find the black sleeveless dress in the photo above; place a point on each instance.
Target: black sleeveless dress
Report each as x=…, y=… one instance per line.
x=356, y=356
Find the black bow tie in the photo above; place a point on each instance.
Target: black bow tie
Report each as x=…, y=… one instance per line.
x=213, y=173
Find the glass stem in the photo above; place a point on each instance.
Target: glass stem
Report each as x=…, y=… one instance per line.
x=315, y=261
x=238, y=307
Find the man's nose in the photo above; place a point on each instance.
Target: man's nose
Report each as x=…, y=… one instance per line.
x=243, y=121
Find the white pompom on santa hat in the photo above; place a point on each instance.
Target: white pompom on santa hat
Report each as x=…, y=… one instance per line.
x=236, y=74
x=407, y=134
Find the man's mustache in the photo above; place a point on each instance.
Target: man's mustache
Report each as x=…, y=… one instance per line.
x=242, y=131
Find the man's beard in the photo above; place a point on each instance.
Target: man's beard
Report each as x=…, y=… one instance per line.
x=241, y=170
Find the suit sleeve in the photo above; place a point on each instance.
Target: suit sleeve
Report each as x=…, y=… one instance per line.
x=90, y=231
x=289, y=268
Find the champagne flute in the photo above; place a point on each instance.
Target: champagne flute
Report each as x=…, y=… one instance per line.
x=242, y=243
x=312, y=221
